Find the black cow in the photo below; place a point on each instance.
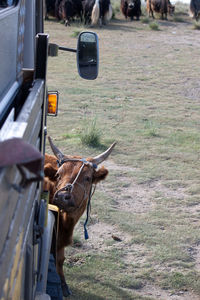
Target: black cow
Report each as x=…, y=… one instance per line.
x=195, y=9
x=131, y=9
x=63, y=9
x=97, y=11
x=49, y=8
x=68, y=9
x=87, y=10
x=57, y=5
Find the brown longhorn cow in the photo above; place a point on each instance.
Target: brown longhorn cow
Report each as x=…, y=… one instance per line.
x=160, y=6
x=69, y=180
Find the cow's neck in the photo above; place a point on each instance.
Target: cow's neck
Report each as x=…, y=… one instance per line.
x=70, y=219
x=67, y=223
x=66, y=228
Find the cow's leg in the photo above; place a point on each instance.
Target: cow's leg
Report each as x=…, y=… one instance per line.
x=126, y=10
x=67, y=23
x=81, y=17
x=126, y=15
x=45, y=10
x=85, y=18
x=100, y=21
x=151, y=11
x=60, y=261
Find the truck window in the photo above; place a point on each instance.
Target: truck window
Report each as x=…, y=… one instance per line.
x=6, y=3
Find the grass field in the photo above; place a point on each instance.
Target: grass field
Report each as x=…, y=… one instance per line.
x=146, y=98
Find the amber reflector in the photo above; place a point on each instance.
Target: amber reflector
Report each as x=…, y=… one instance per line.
x=52, y=103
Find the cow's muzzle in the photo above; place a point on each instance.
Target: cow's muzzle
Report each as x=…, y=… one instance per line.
x=131, y=5
x=64, y=199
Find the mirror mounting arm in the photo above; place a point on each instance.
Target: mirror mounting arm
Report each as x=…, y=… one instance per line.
x=67, y=49
x=53, y=49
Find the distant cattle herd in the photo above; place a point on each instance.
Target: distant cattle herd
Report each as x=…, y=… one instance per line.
x=91, y=11
x=100, y=12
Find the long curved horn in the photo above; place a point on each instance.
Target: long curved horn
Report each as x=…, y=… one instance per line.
x=55, y=150
x=98, y=159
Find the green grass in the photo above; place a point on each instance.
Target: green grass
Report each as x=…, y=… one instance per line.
x=196, y=26
x=177, y=18
x=154, y=26
x=75, y=33
x=145, y=20
x=181, y=281
x=90, y=134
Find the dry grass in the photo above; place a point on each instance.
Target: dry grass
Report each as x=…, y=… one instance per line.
x=147, y=98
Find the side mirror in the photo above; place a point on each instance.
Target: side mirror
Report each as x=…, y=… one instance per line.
x=88, y=55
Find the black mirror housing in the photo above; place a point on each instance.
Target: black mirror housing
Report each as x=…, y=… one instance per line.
x=88, y=55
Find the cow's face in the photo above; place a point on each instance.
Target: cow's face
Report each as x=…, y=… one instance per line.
x=74, y=183
x=131, y=4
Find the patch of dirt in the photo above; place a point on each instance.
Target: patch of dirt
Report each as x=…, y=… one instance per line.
x=101, y=236
x=139, y=198
x=104, y=237
x=160, y=294
x=193, y=209
x=134, y=197
x=178, y=193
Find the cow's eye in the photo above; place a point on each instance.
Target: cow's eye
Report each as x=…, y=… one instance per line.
x=87, y=178
x=58, y=176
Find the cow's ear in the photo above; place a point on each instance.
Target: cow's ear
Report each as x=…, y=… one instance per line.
x=99, y=175
x=50, y=172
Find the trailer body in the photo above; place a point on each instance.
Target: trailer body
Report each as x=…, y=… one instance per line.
x=23, y=212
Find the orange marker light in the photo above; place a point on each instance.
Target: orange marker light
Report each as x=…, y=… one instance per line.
x=52, y=103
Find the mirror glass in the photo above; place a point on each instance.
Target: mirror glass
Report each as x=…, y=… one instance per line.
x=88, y=55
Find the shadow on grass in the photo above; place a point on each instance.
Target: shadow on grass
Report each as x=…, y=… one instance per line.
x=114, y=24
x=119, y=24
x=113, y=290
